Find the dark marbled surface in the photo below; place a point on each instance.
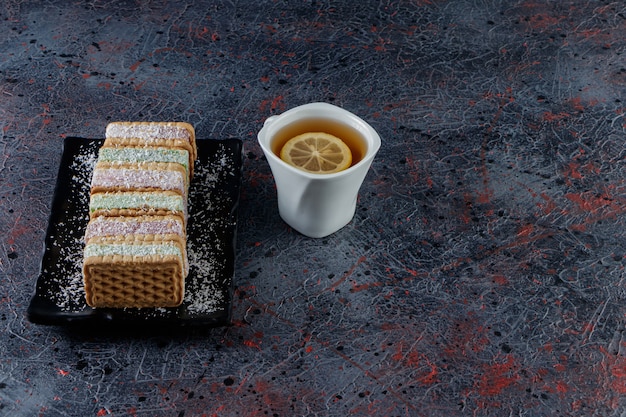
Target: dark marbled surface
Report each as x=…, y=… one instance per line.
x=483, y=273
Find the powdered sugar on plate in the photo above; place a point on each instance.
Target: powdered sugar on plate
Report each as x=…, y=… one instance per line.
x=68, y=292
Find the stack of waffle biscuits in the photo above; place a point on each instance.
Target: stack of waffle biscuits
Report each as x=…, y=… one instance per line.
x=135, y=242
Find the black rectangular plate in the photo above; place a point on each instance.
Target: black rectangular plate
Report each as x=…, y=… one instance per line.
x=59, y=297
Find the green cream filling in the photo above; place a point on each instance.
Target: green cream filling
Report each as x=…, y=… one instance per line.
x=96, y=249
x=105, y=201
x=122, y=154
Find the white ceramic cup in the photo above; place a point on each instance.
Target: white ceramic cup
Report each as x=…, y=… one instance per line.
x=317, y=205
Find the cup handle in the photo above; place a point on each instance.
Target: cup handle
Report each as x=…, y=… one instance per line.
x=270, y=120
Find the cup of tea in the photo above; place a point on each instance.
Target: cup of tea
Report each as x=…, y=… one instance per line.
x=313, y=203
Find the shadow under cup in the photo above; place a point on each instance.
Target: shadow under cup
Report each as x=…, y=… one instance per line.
x=318, y=205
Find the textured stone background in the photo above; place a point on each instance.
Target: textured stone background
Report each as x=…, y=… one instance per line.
x=483, y=273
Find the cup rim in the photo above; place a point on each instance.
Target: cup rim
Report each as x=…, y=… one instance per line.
x=372, y=137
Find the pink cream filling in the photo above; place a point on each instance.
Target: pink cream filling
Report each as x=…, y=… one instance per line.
x=104, y=226
x=152, y=132
x=139, y=179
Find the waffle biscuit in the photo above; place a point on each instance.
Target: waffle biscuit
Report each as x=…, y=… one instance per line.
x=137, y=203
x=135, y=242
x=139, y=155
x=149, y=176
x=175, y=135
x=134, y=271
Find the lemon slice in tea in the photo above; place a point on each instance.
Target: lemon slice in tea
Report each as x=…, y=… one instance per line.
x=317, y=153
